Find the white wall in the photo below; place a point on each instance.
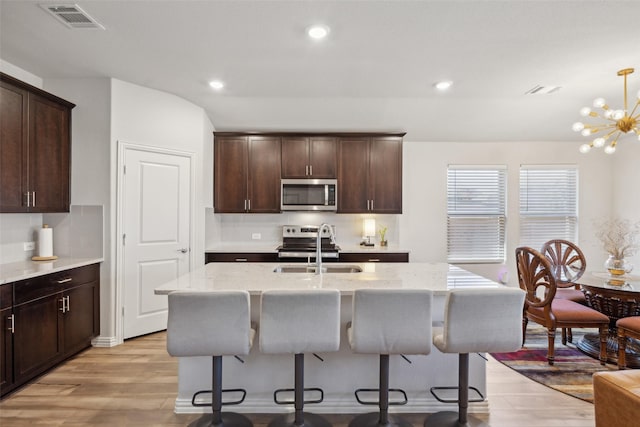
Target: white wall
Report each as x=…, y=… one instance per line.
x=626, y=185
x=20, y=74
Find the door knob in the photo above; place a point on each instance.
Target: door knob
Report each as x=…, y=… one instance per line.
x=183, y=250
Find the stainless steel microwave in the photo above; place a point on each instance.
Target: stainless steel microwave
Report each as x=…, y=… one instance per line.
x=309, y=195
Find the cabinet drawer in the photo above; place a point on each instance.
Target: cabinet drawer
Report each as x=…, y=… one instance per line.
x=241, y=257
x=375, y=257
x=6, y=295
x=42, y=286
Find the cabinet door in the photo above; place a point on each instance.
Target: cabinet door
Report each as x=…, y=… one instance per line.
x=37, y=340
x=385, y=175
x=49, y=149
x=322, y=157
x=6, y=350
x=13, y=150
x=230, y=174
x=353, y=162
x=81, y=318
x=295, y=157
x=264, y=175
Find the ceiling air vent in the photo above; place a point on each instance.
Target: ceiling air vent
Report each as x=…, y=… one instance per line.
x=72, y=16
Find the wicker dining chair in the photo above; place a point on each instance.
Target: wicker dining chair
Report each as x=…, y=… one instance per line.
x=537, y=280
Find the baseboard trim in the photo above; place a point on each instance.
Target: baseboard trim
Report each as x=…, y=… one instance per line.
x=102, y=341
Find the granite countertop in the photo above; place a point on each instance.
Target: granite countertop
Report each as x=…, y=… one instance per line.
x=258, y=277
x=14, y=271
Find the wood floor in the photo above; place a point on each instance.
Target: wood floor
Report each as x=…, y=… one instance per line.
x=135, y=384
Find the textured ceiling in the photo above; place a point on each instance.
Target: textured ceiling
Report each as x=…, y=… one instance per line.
x=374, y=72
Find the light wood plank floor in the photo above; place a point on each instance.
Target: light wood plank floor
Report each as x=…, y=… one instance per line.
x=135, y=384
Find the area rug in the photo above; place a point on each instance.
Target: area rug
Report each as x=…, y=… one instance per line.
x=572, y=370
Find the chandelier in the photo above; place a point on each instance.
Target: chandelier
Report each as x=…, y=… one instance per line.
x=614, y=122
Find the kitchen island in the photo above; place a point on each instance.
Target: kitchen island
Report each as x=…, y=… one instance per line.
x=339, y=373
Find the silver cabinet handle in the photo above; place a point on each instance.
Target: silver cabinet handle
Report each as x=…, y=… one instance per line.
x=67, y=280
x=68, y=302
x=28, y=194
x=245, y=204
x=241, y=260
x=306, y=169
x=183, y=250
x=34, y=199
x=12, y=319
x=249, y=204
x=374, y=259
x=371, y=204
x=64, y=305
x=368, y=208
x=311, y=170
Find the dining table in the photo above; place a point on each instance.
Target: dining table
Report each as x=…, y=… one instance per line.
x=617, y=297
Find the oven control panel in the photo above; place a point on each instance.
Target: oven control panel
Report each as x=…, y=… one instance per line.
x=304, y=231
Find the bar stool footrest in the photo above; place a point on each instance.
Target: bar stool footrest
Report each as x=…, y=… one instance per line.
x=230, y=390
x=433, y=391
x=291, y=402
x=372, y=402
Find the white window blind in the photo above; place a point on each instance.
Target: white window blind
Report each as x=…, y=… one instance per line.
x=476, y=219
x=548, y=204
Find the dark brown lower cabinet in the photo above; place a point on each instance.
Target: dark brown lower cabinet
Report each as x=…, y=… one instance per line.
x=240, y=257
x=273, y=257
x=52, y=318
x=374, y=257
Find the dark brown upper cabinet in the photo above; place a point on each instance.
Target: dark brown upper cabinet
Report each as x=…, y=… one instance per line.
x=370, y=174
x=35, y=129
x=247, y=174
x=309, y=157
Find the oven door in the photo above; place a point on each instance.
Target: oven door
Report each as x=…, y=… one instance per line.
x=308, y=195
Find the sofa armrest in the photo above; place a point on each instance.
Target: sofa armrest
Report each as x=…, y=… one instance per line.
x=617, y=398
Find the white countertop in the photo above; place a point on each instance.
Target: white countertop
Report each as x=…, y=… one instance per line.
x=258, y=277
x=14, y=271
x=271, y=248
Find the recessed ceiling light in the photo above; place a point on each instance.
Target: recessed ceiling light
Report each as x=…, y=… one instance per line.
x=318, y=32
x=443, y=85
x=216, y=84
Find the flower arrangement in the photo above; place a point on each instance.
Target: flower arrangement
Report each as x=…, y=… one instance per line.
x=618, y=237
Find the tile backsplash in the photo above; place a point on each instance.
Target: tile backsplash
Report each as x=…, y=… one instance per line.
x=78, y=233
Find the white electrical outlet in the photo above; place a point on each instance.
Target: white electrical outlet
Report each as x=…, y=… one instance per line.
x=256, y=236
x=29, y=246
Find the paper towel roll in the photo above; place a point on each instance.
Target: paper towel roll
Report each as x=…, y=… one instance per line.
x=45, y=241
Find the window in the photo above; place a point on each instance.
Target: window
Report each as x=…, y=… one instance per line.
x=548, y=204
x=476, y=220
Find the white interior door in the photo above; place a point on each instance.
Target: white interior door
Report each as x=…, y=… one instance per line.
x=156, y=234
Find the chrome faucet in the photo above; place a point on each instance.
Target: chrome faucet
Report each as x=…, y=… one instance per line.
x=332, y=237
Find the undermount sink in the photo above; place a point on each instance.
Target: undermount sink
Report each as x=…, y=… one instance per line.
x=312, y=269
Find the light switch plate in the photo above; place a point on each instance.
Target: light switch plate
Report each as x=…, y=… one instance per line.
x=29, y=246
x=256, y=236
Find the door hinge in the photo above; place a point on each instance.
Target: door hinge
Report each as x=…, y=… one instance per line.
x=124, y=238
x=122, y=311
x=124, y=169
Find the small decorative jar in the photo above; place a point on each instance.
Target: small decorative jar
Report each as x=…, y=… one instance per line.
x=617, y=267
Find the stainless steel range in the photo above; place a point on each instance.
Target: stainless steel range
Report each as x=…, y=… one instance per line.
x=299, y=241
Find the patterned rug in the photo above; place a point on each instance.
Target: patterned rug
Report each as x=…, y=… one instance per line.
x=572, y=370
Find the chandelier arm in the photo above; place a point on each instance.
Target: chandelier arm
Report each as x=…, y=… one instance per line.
x=635, y=107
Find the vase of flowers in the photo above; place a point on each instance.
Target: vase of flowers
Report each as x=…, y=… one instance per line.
x=619, y=238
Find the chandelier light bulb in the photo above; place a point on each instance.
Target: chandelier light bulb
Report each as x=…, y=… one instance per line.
x=577, y=126
x=639, y=94
x=608, y=114
x=599, y=102
x=598, y=142
x=584, y=112
x=618, y=114
x=586, y=132
x=318, y=32
x=609, y=149
x=585, y=148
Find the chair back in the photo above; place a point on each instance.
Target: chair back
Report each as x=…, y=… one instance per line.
x=209, y=323
x=391, y=321
x=535, y=278
x=299, y=321
x=567, y=261
x=482, y=320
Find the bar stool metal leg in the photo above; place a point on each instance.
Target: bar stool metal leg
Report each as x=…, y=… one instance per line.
x=217, y=418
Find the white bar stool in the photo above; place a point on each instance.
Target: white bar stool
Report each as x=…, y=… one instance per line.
x=475, y=321
x=216, y=324
x=388, y=321
x=299, y=322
